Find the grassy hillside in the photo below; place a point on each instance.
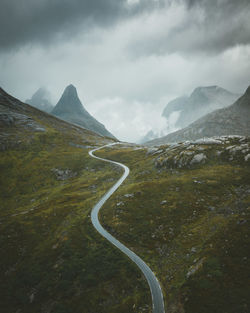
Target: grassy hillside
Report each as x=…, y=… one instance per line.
x=185, y=210
x=52, y=259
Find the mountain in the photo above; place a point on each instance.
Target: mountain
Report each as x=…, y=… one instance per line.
x=41, y=100
x=233, y=120
x=50, y=252
x=70, y=108
x=202, y=101
x=184, y=110
x=184, y=209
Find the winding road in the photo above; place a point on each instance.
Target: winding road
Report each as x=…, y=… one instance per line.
x=155, y=288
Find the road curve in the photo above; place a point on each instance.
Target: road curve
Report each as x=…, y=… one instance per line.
x=155, y=288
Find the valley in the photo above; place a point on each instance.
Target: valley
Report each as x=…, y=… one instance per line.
x=187, y=220
x=183, y=210
x=125, y=156
x=52, y=259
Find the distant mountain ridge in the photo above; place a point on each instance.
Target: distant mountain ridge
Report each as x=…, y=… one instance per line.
x=202, y=101
x=70, y=109
x=182, y=111
x=233, y=120
x=41, y=100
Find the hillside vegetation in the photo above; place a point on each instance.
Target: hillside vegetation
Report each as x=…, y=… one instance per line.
x=185, y=210
x=52, y=258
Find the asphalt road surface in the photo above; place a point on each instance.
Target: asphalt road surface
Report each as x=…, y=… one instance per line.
x=155, y=288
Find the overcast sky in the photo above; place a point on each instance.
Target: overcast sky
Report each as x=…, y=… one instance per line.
x=127, y=58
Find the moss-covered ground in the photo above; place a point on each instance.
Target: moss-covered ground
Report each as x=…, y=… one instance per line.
x=190, y=223
x=184, y=209
x=52, y=260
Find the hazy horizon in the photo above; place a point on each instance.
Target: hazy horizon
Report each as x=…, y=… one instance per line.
x=127, y=59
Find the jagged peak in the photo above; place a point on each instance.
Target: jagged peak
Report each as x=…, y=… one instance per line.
x=70, y=90
x=69, y=102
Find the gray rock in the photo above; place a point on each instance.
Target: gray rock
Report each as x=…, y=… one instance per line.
x=247, y=157
x=63, y=174
x=198, y=158
x=70, y=109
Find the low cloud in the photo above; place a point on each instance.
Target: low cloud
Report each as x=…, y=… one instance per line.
x=128, y=121
x=191, y=27
x=127, y=59
x=209, y=26
x=44, y=22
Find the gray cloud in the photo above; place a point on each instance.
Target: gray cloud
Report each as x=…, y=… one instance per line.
x=31, y=22
x=28, y=21
x=126, y=58
x=208, y=26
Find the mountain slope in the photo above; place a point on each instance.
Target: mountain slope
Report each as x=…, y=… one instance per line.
x=202, y=101
x=52, y=258
x=70, y=108
x=233, y=120
x=185, y=211
x=41, y=100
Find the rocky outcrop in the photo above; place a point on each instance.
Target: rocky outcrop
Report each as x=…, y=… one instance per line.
x=191, y=154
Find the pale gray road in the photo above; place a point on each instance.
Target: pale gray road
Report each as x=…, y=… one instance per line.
x=155, y=288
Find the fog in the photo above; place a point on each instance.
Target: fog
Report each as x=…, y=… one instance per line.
x=127, y=59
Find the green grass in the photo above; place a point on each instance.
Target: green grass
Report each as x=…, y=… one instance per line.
x=52, y=258
x=187, y=220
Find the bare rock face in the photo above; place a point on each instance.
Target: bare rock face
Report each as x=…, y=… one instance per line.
x=70, y=109
x=198, y=158
x=12, y=118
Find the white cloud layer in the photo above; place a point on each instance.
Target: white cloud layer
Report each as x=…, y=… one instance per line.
x=126, y=74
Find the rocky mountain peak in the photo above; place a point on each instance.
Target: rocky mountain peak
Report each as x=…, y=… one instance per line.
x=70, y=109
x=69, y=102
x=41, y=100
x=70, y=91
x=233, y=120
